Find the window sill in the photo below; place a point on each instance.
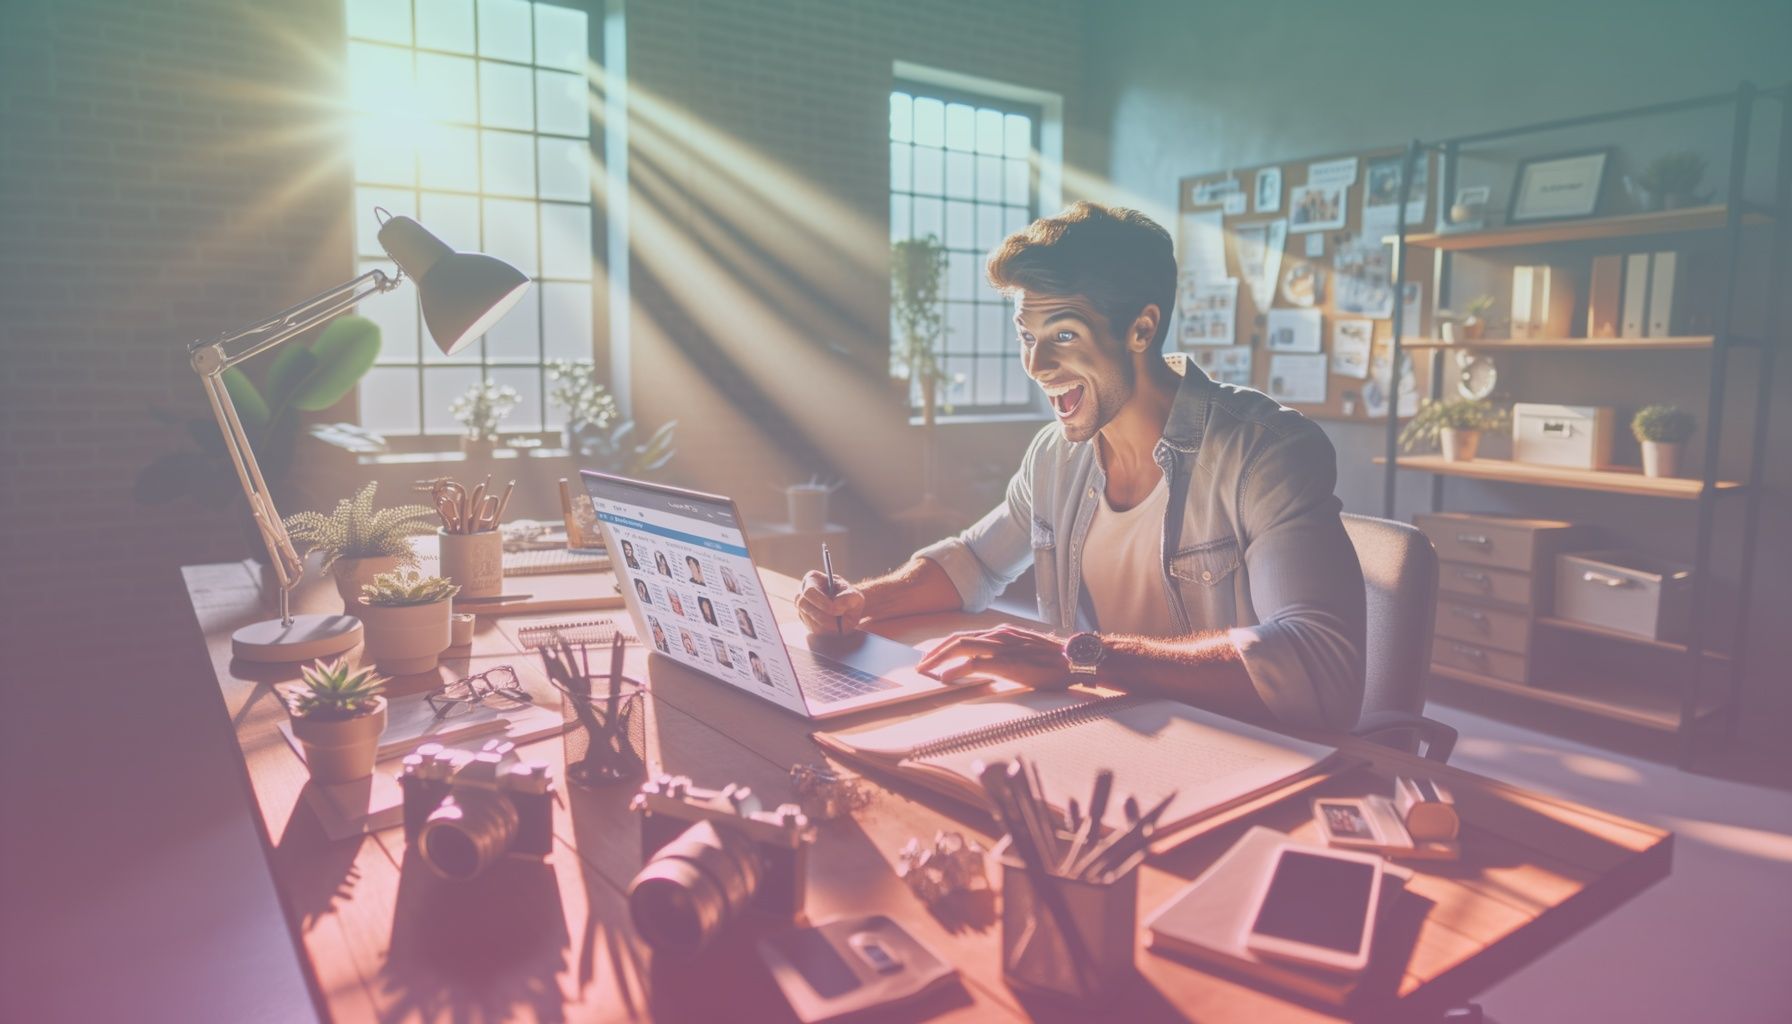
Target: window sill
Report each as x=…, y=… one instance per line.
x=987, y=417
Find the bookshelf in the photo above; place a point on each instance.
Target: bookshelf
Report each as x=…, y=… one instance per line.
x=1611, y=481
x=1565, y=344
x=1634, y=225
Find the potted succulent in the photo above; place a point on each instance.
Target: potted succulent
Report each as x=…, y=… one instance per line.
x=407, y=618
x=1662, y=430
x=337, y=717
x=359, y=542
x=1672, y=180
x=1474, y=319
x=1455, y=425
x=480, y=411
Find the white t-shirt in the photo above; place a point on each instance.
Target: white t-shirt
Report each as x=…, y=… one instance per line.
x=1121, y=570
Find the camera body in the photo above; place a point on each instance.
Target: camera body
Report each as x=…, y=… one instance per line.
x=465, y=810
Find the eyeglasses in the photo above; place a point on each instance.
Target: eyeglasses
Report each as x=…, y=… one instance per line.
x=496, y=687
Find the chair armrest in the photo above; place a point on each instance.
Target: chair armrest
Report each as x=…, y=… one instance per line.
x=1438, y=739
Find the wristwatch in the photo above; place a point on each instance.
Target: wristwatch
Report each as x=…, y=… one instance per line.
x=1083, y=652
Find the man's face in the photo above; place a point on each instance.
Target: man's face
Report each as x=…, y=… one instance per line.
x=1071, y=352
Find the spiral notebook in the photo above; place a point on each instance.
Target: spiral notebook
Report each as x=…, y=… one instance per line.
x=1154, y=747
x=577, y=631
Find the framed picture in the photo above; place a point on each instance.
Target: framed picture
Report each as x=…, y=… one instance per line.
x=1558, y=187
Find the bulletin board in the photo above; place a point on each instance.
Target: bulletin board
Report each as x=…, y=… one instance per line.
x=1308, y=315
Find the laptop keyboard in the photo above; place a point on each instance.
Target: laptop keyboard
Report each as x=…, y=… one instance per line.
x=827, y=682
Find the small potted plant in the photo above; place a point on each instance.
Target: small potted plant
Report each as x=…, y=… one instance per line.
x=1662, y=430
x=1672, y=180
x=1474, y=318
x=480, y=411
x=1455, y=425
x=337, y=717
x=407, y=618
x=359, y=542
x=590, y=408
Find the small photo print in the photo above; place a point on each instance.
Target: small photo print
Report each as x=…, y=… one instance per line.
x=1346, y=821
x=1315, y=208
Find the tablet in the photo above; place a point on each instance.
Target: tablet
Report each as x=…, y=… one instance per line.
x=1316, y=907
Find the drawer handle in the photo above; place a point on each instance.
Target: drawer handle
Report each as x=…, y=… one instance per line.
x=1480, y=540
x=1471, y=653
x=1603, y=579
x=1479, y=578
x=1471, y=614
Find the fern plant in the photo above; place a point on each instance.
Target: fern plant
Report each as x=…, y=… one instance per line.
x=356, y=530
x=333, y=692
x=407, y=587
x=1453, y=414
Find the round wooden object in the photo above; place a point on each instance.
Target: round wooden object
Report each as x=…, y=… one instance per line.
x=309, y=637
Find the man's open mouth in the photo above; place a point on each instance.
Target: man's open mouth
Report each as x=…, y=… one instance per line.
x=1065, y=398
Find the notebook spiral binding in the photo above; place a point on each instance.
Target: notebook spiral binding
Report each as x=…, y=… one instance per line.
x=584, y=631
x=1032, y=725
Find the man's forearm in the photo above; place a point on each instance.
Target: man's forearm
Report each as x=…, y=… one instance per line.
x=1204, y=669
x=920, y=586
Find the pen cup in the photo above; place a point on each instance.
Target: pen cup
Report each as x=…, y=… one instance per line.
x=1037, y=955
x=604, y=745
x=475, y=561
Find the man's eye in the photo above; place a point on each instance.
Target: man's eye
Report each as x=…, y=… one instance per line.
x=1025, y=338
x=1065, y=337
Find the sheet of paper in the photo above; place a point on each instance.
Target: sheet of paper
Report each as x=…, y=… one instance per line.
x=1297, y=380
x=1315, y=245
x=1248, y=242
x=1209, y=311
x=1294, y=330
x=1269, y=190
x=1228, y=365
x=1204, y=245
x=1375, y=392
x=1364, y=284
x=1381, y=196
x=1339, y=173
x=1351, y=341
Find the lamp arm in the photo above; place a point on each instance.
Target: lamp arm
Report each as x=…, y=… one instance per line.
x=211, y=358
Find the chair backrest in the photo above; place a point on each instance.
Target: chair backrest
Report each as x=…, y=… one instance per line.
x=1400, y=577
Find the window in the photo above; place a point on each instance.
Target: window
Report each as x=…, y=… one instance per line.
x=964, y=168
x=473, y=116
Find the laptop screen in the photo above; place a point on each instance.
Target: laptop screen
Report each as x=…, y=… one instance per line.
x=681, y=562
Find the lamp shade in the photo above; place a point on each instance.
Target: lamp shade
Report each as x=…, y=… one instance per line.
x=462, y=293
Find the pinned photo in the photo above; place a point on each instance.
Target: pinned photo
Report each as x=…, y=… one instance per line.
x=1316, y=208
x=1303, y=284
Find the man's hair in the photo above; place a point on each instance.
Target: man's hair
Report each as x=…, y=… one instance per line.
x=1118, y=259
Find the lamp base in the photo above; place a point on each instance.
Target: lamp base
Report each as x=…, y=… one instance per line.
x=309, y=637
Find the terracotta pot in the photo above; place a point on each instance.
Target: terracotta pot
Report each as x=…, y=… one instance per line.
x=1459, y=445
x=351, y=573
x=1473, y=328
x=1661, y=458
x=405, y=639
x=342, y=750
x=475, y=561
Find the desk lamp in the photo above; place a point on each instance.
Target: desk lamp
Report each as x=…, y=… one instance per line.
x=461, y=293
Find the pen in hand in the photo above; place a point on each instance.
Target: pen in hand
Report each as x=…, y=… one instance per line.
x=827, y=569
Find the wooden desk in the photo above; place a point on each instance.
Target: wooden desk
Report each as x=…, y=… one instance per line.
x=385, y=941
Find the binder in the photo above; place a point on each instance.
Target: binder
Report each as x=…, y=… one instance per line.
x=1524, y=303
x=1636, y=295
x=1661, y=295
x=1603, y=296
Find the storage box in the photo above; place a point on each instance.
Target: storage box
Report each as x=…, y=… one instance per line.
x=1626, y=591
x=1571, y=436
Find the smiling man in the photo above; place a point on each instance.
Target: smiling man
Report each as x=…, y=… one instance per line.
x=1184, y=534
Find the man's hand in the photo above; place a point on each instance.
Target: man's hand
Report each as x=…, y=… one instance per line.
x=1008, y=652
x=823, y=614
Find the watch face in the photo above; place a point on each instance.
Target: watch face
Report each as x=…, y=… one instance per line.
x=1084, y=649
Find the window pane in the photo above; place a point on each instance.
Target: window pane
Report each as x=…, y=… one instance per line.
x=441, y=386
x=987, y=388
x=989, y=227
x=379, y=77
x=994, y=329
x=957, y=273
x=1019, y=129
x=989, y=179
x=445, y=25
x=989, y=132
x=1020, y=187
x=899, y=215
x=958, y=176
x=902, y=116
x=446, y=88
x=384, y=152
x=388, y=20
x=504, y=30
x=561, y=104
x=927, y=218
x=565, y=169
x=396, y=314
x=510, y=233
x=961, y=126
x=961, y=324
x=929, y=173
x=453, y=219
x=449, y=158
x=565, y=241
x=560, y=37
x=389, y=400
x=527, y=382
x=930, y=122
x=960, y=229
x=1015, y=218
x=902, y=160
x=506, y=96
x=958, y=379
x=566, y=320
x=509, y=163
x=517, y=336
x=367, y=224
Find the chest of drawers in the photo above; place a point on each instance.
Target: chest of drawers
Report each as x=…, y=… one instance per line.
x=1494, y=574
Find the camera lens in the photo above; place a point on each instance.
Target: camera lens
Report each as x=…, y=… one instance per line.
x=468, y=833
x=693, y=887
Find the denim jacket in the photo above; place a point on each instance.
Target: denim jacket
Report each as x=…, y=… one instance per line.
x=1252, y=544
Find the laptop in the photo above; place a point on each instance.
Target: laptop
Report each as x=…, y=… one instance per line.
x=693, y=591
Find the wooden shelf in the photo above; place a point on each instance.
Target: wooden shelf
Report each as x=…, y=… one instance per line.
x=1619, y=699
x=1630, y=638
x=1612, y=481
x=1564, y=344
x=1664, y=222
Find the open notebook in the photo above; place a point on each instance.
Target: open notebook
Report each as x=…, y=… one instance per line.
x=1154, y=746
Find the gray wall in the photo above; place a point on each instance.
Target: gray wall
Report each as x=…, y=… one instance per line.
x=1194, y=88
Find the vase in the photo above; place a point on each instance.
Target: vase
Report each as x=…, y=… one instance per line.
x=474, y=561
x=352, y=573
x=405, y=639
x=1459, y=445
x=341, y=750
x=1661, y=458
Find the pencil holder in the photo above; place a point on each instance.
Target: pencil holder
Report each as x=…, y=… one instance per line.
x=605, y=742
x=1036, y=952
x=475, y=561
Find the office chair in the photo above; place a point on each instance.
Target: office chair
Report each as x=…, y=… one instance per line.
x=1400, y=577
